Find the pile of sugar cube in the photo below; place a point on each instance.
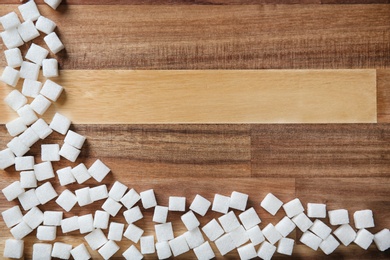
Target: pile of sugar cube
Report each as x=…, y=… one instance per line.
x=236, y=229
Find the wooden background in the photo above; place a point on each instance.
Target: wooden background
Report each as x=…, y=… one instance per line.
x=343, y=165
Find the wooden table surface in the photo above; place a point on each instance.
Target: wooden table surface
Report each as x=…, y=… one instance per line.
x=342, y=165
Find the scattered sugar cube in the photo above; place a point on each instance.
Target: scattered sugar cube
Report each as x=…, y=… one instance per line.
x=43, y=171
x=177, y=203
x=12, y=216
x=69, y=152
x=266, y=251
x=29, y=70
x=85, y=223
x=302, y=222
x=238, y=200
x=178, y=245
x=53, y=3
x=345, y=234
x=200, y=205
x=293, y=208
x=20, y=230
x=247, y=252
x=285, y=246
x=52, y=91
x=271, y=233
x=225, y=244
x=212, y=230
x=10, y=21
x=239, y=236
x=316, y=210
x=11, y=39
x=46, y=233
x=338, y=217
x=53, y=42
x=204, y=251
x=221, y=203
x=17, y=147
x=15, y=100
x=80, y=173
x=36, y=54
x=65, y=176
x=229, y=221
x=40, y=104
x=70, y=224
x=271, y=203
x=83, y=197
x=13, y=248
x=117, y=191
x=98, y=193
x=61, y=250
x=363, y=219
x=190, y=221
x=13, y=190
x=311, y=240
x=41, y=128
x=7, y=158
x=74, y=139
x=13, y=57
x=29, y=11
x=49, y=152
x=164, y=232
x=96, y=239
x=130, y=198
x=382, y=239
x=148, y=199
x=160, y=214
x=28, y=32
x=163, y=250
x=45, y=25
x=24, y=163
x=249, y=218
x=255, y=235
x=329, y=245
x=132, y=253
x=80, y=252
x=66, y=200
x=132, y=215
x=16, y=127
x=115, y=231
x=285, y=226
x=108, y=249
x=42, y=251
x=45, y=193
x=27, y=179
x=147, y=245
x=111, y=206
x=33, y=218
x=27, y=115
x=101, y=219
x=133, y=233
x=31, y=88
x=194, y=238
x=320, y=229
x=29, y=137
x=50, y=68
x=98, y=170
x=364, y=238
x=52, y=218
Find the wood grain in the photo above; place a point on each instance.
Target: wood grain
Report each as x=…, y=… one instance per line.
x=383, y=93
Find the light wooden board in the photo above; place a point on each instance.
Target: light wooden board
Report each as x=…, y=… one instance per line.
x=214, y=96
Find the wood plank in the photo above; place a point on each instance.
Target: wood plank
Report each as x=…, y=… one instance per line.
x=383, y=93
x=180, y=2
x=223, y=96
x=216, y=37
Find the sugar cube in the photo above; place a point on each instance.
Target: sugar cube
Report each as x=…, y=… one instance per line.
x=42, y=251
x=33, y=218
x=204, y=251
x=311, y=240
x=249, y=218
x=160, y=214
x=363, y=219
x=12, y=216
x=108, y=249
x=28, y=32
x=65, y=176
x=52, y=91
x=163, y=250
x=40, y=104
x=225, y=244
x=255, y=235
x=329, y=245
x=52, y=218
x=133, y=233
x=132, y=215
x=148, y=199
x=271, y=233
x=70, y=224
x=16, y=127
x=53, y=3
x=177, y=203
x=98, y=170
x=271, y=203
x=46, y=233
x=117, y=191
x=45, y=193
x=130, y=198
x=194, y=238
x=43, y=171
x=10, y=21
x=13, y=57
x=13, y=248
x=320, y=229
x=61, y=250
x=115, y=231
x=36, y=54
x=96, y=239
x=29, y=137
x=266, y=251
x=15, y=100
x=178, y=245
x=13, y=190
x=41, y=128
x=147, y=245
x=50, y=68
x=18, y=147
x=49, y=152
x=29, y=11
x=45, y=25
x=229, y=221
x=239, y=236
x=247, y=252
x=338, y=217
x=382, y=239
x=66, y=200
x=20, y=230
x=200, y=205
x=164, y=232
x=31, y=88
x=190, y=221
x=238, y=200
x=80, y=252
x=285, y=226
x=98, y=193
x=293, y=208
x=80, y=173
x=83, y=197
x=212, y=230
x=29, y=70
x=24, y=163
x=101, y=219
x=27, y=115
x=27, y=179
x=74, y=139
x=345, y=234
x=316, y=210
x=11, y=39
x=221, y=203
x=364, y=238
x=53, y=42
x=285, y=246
x=85, y=223
x=7, y=158
x=111, y=206
x=302, y=222
x=69, y=152
x=132, y=253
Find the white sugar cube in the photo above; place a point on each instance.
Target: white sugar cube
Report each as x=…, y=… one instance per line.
x=29, y=70
x=255, y=235
x=345, y=234
x=266, y=251
x=247, y=252
x=229, y=221
x=115, y=231
x=13, y=190
x=133, y=233
x=33, y=218
x=382, y=239
x=363, y=219
x=310, y=240
x=338, y=217
x=329, y=245
x=98, y=193
x=285, y=246
x=13, y=248
x=238, y=200
x=239, y=236
x=49, y=152
x=52, y=218
x=28, y=199
x=249, y=218
x=45, y=25
x=36, y=54
x=271, y=203
x=85, y=223
x=74, y=139
x=164, y=232
x=42, y=251
x=271, y=233
x=53, y=3
x=52, y=91
x=117, y=191
x=194, y=238
x=45, y=193
x=132, y=215
x=130, y=198
x=7, y=158
x=212, y=230
x=70, y=224
x=27, y=31
x=200, y=205
x=147, y=245
x=29, y=11
x=80, y=173
x=83, y=197
x=15, y=100
x=65, y=176
x=285, y=226
x=24, y=163
x=40, y=104
x=10, y=21
x=43, y=171
x=177, y=203
x=148, y=199
x=108, y=249
x=96, y=239
x=61, y=250
x=20, y=230
x=101, y=219
x=204, y=251
x=46, y=233
x=69, y=152
x=190, y=221
x=50, y=68
x=302, y=222
x=27, y=114
x=316, y=210
x=320, y=229
x=18, y=147
x=66, y=200
x=41, y=128
x=80, y=252
x=132, y=253
x=31, y=88
x=163, y=250
x=225, y=244
x=11, y=39
x=53, y=42
x=221, y=204
x=364, y=238
x=293, y=208
x=111, y=206
x=13, y=57
x=98, y=170
x=16, y=127
x=178, y=245
x=29, y=137
x=160, y=214
x=12, y=216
